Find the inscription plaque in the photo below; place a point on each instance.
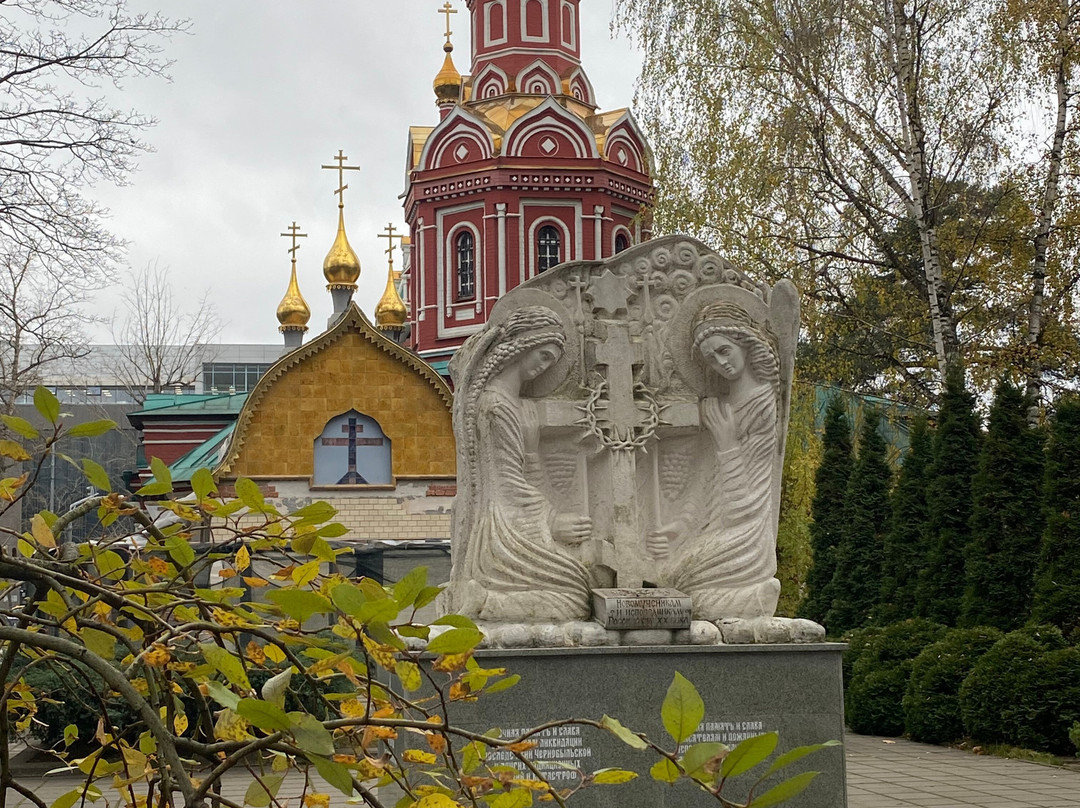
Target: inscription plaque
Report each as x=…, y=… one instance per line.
x=641, y=608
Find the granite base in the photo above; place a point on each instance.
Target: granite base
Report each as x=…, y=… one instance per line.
x=795, y=690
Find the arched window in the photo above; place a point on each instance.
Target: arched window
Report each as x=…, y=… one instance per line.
x=465, y=249
x=622, y=242
x=534, y=19
x=548, y=248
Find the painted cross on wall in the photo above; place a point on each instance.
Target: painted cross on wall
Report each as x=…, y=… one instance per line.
x=352, y=450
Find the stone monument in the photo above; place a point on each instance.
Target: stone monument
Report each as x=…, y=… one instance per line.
x=620, y=432
x=622, y=424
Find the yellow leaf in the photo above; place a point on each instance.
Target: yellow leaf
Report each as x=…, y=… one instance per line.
x=255, y=653
x=243, y=558
x=43, y=534
x=353, y=708
x=9, y=448
x=532, y=785
x=436, y=801
x=449, y=663
x=306, y=573
x=180, y=723
x=274, y=654
x=416, y=756
x=231, y=727
x=256, y=583
x=436, y=742
x=317, y=801
x=382, y=654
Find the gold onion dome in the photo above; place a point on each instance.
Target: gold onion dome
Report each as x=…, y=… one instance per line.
x=447, y=83
x=293, y=312
x=390, y=311
x=341, y=267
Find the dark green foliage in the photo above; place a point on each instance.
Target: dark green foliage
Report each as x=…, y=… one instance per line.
x=932, y=701
x=827, y=511
x=1057, y=582
x=856, y=583
x=904, y=553
x=948, y=499
x=1024, y=691
x=858, y=644
x=873, y=701
x=1006, y=518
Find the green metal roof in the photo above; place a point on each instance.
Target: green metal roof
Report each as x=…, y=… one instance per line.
x=204, y=456
x=188, y=404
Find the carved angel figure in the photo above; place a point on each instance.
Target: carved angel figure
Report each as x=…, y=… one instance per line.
x=722, y=549
x=510, y=564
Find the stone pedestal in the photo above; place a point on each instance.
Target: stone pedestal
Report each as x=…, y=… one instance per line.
x=795, y=690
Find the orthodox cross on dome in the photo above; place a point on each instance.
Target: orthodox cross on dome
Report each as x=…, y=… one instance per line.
x=341, y=168
x=294, y=234
x=448, y=9
x=390, y=233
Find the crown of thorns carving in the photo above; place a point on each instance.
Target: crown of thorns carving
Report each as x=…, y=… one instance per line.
x=611, y=436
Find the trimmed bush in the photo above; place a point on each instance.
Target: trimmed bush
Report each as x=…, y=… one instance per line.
x=874, y=698
x=932, y=700
x=1025, y=691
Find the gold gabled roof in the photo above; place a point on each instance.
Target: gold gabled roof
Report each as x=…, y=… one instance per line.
x=341, y=266
x=293, y=311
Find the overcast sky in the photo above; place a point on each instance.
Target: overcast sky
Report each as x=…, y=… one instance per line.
x=263, y=93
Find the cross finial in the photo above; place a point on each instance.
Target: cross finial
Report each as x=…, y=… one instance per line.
x=294, y=234
x=448, y=9
x=341, y=168
x=390, y=233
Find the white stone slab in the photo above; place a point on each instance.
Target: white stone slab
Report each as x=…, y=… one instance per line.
x=627, y=609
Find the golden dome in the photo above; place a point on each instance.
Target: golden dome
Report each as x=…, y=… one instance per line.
x=293, y=312
x=448, y=83
x=341, y=267
x=390, y=311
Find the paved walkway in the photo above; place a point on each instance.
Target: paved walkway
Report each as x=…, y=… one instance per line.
x=888, y=773
x=882, y=773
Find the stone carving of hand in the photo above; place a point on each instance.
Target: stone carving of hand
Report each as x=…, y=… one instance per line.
x=658, y=543
x=571, y=528
x=721, y=423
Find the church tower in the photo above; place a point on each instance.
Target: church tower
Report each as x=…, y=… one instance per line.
x=522, y=171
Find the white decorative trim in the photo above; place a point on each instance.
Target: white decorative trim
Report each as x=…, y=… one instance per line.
x=523, y=78
x=626, y=131
x=579, y=76
x=561, y=121
x=488, y=39
x=451, y=276
x=571, y=40
x=490, y=76
x=526, y=248
x=546, y=35
x=445, y=292
x=443, y=135
x=624, y=230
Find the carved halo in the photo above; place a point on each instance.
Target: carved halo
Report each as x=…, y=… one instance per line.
x=681, y=328
x=557, y=374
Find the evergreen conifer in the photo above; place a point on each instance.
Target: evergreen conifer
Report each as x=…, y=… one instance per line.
x=948, y=500
x=827, y=510
x=856, y=583
x=905, y=543
x=1006, y=519
x=1057, y=581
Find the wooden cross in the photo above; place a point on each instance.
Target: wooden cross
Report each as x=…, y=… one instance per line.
x=294, y=233
x=390, y=233
x=341, y=168
x=448, y=9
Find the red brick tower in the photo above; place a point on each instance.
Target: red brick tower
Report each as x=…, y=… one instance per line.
x=521, y=173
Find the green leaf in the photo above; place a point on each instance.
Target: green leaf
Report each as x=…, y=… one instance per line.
x=226, y=664
x=427, y=595
x=455, y=620
x=96, y=475
x=180, y=551
x=378, y=611
x=222, y=695
x=333, y=773
x=409, y=674
x=20, y=426
x=47, y=404
x=316, y=512
x=682, y=710
x=323, y=551
x=518, y=798
x=99, y=642
x=70, y=798
x=91, y=429
x=300, y=604
x=664, y=771
x=610, y=777
x=110, y=565
x=697, y=756
x=161, y=471
x=202, y=483
x=784, y=791
x=504, y=684
x=749, y=754
x=383, y=634
x=334, y=530
x=248, y=492
x=411, y=585
x=264, y=715
x=455, y=641
x=349, y=598
x=71, y=734
x=625, y=735
x=276, y=686
x=311, y=736
x=262, y=791
x=154, y=489
x=797, y=753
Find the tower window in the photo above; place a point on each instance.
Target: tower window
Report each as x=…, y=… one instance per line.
x=465, y=248
x=535, y=13
x=621, y=243
x=548, y=248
